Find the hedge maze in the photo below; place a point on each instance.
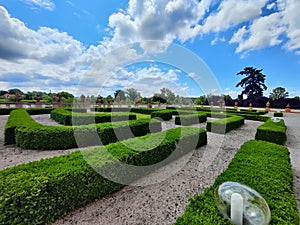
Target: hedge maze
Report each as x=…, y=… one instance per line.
x=40, y=192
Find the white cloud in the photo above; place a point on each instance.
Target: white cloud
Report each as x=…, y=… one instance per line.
x=157, y=20
x=46, y=4
x=263, y=32
x=269, y=30
x=231, y=13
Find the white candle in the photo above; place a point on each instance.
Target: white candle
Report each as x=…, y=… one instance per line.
x=236, y=211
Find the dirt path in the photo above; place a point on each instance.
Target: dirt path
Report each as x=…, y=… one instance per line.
x=292, y=121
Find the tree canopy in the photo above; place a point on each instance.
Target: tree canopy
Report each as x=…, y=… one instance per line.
x=278, y=93
x=253, y=83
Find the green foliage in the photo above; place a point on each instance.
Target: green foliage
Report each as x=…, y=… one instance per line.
x=145, y=110
x=102, y=109
x=67, y=117
x=23, y=131
x=224, y=125
x=42, y=191
x=272, y=131
x=253, y=83
x=278, y=114
x=263, y=166
x=6, y=111
x=162, y=114
x=278, y=93
x=190, y=119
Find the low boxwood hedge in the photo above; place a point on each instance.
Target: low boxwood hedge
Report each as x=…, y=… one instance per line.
x=224, y=125
x=278, y=114
x=162, y=114
x=22, y=130
x=261, y=165
x=112, y=109
x=68, y=118
x=42, y=191
x=272, y=131
x=31, y=111
x=145, y=110
x=190, y=119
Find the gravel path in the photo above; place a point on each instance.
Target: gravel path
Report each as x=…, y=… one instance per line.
x=292, y=121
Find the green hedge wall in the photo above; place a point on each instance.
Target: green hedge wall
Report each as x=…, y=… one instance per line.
x=222, y=126
x=28, y=134
x=18, y=118
x=163, y=114
x=272, y=131
x=263, y=166
x=190, y=119
x=68, y=118
x=31, y=111
x=40, y=192
x=114, y=109
x=147, y=111
x=278, y=114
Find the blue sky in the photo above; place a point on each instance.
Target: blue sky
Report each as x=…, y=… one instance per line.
x=67, y=45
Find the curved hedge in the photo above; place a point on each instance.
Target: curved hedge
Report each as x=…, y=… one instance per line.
x=190, y=119
x=222, y=126
x=22, y=130
x=40, y=192
x=261, y=165
x=67, y=117
x=272, y=131
x=163, y=114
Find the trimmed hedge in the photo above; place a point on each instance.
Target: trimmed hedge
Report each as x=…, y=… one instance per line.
x=278, y=114
x=222, y=126
x=6, y=111
x=18, y=118
x=68, y=118
x=263, y=166
x=190, y=119
x=254, y=117
x=42, y=191
x=163, y=114
x=147, y=111
x=22, y=130
x=31, y=111
x=272, y=131
x=117, y=109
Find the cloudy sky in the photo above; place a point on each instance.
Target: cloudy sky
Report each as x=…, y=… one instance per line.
x=186, y=45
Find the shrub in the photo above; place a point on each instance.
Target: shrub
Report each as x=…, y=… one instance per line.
x=38, y=111
x=42, y=191
x=145, y=110
x=66, y=117
x=254, y=117
x=17, y=118
x=222, y=126
x=278, y=114
x=6, y=111
x=102, y=109
x=190, y=119
x=260, y=165
x=28, y=134
x=163, y=114
x=272, y=131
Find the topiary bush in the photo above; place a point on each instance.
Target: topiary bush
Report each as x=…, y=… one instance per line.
x=222, y=126
x=272, y=131
x=261, y=165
